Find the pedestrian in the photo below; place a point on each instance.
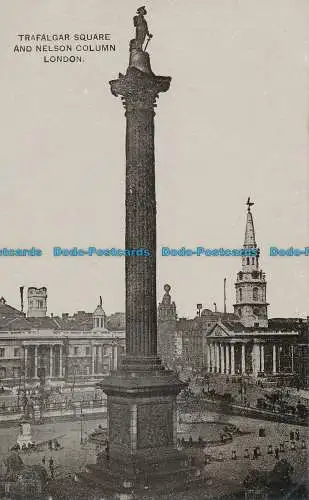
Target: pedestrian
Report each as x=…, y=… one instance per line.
x=50, y=445
x=282, y=448
x=255, y=454
x=293, y=445
x=270, y=449
x=303, y=445
x=297, y=435
x=277, y=453
x=51, y=468
x=43, y=460
x=234, y=457
x=258, y=451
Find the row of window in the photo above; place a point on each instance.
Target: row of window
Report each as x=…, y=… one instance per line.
x=255, y=294
x=16, y=352
x=15, y=373
x=77, y=351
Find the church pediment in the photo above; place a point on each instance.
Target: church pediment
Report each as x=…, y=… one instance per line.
x=218, y=331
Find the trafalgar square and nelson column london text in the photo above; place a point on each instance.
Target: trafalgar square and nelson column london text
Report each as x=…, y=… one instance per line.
x=215, y=216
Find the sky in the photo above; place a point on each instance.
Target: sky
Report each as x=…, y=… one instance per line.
x=234, y=123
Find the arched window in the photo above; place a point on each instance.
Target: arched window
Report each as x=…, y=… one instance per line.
x=255, y=293
x=2, y=372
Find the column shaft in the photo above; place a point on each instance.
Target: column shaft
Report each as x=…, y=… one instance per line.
x=141, y=307
x=92, y=359
x=26, y=362
x=35, y=361
x=232, y=360
x=222, y=364
x=243, y=358
x=50, y=361
x=262, y=358
x=227, y=358
x=60, y=361
x=274, y=359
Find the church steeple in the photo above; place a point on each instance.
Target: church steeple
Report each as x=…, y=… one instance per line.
x=251, y=305
x=249, y=233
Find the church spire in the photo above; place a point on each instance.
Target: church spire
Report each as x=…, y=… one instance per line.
x=250, y=232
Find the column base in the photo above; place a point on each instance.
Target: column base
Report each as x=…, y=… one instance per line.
x=163, y=472
x=142, y=431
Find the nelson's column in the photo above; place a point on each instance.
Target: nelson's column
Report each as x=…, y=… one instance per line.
x=141, y=395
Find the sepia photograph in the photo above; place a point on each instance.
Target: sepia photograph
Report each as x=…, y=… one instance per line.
x=154, y=313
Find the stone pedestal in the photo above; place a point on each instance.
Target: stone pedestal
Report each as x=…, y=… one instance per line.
x=25, y=437
x=141, y=395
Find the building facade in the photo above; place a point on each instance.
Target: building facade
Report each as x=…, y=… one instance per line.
x=35, y=347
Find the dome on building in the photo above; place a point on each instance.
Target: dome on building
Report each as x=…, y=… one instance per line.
x=99, y=317
x=99, y=311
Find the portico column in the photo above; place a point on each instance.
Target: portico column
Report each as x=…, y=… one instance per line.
x=26, y=361
x=35, y=361
x=227, y=358
x=115, y=357
x=60, y=361
x=256, y=359
x=217, y=357
x=243, y=358
x=232, y=360
x=92, y=359
x=222, y=365
x=50, y=361
x=211, y=350
x=274, y=359
x=262, y=358
x=207, y=357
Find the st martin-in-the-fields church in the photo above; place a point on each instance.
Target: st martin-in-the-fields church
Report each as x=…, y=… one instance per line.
x=243, y=342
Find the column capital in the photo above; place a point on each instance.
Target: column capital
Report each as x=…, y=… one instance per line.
x=139, y=90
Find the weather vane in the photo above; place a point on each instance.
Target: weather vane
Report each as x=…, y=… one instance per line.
x=249, y=203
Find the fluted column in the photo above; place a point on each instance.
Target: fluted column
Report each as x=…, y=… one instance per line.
x=217, y=358
x=243, y=358
x=60, y=361
x=92, y=359
x=232, y=359
x=35, y=361
x=222, y=364
x=211, y=347
x=227, y=358
x=262, y=358
x=139, y=92
x=207, y=357
x=274, y=359
x=26, y=362
x=50, y=361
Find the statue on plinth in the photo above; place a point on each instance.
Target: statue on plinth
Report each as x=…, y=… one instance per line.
x=141, y=26
x=139, y=58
